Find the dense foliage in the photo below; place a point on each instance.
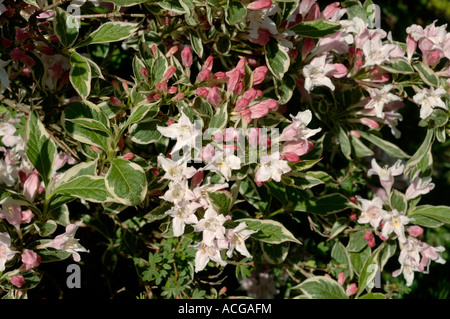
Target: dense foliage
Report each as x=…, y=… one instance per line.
x=208, y=149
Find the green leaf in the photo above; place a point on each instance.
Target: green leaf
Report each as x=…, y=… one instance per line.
x=285, y=89
x=356, y=241
x=421, y=152
x=140, y=112
x=85, y=110
x=235, y=12
x=80, y=74
x=359, y=258
x=275, y=254
x=110, y=32
x=398, y=201
x=301, y=180
x=197, y=43
x=41, y=150
x=127, y=3
x=90, y=188
x=360, y=150
x=145, y=132
x=398, y=66
x=440, y=213
x=256, y=196
x=66, y=27
x=324, y=205
x=340, y=254
x=277, y=59
x=373, y=295
x=316, y=28
x=319, y=287
x=83, y=168
x=47, y=228
x=427, y=74
x=386, y=146
x=221, y=201
x=344, y=143
x=369, y=272
x=269, y=231
x=219, y=120
x=126, y=181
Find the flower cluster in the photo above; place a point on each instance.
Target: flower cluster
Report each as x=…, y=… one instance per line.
x=390, y=223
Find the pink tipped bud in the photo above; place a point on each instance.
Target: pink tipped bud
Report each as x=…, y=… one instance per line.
x=144, y=72
x=291, y=157
x=234, y=76
x=115, y=101
x=308, y=46
x=213, y=96
x=172, y=90
x=219, y=75
x=241, y=104
x=170, y=72
x=197, y=179
x=259, y=5
x=161, y=87
x=154, y=50
x=208, y=63
x=351, y=289
x=353, y=217
x=415, y=231
x=125, y=85
x=341, y=278
x=370, y=123
x=203, y=75
x=128, y=156
x=18, y=280
x=411, y=46
x=172, y=51
x=202, y=92
x=355, y=133
x=94, y=148
x=22, y=34
x=179, y=96
x=27, y=215
x=259, y=74
x=186, y=57
x=31, y=186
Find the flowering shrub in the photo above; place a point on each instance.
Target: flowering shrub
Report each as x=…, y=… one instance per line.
x=205, y=139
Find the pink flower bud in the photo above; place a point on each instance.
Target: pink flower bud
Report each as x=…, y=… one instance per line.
x=355, y=133
x=213, y=96
x=241, y=104
x=208, y=153
x=259, y=74
x=115, y=101
x=27, y=215
x=179, y=96
x=254, y=136
x=370, y=123
x=308, y=46
x=259, y=5
x=351, y=289
x=22, y=35
x=234, y=76
x=161, y=87
x=31, y=187
x=202, y=91
x=411, y=46
x=330, y=10
x=250, y=94
x=172, y=51
x=186, y=57
x=18, y=280
x=203, y=75
x=172, y=90
x=415, y=231
x=291, y=157
x=128, y=156
x=339, y=71
x=170, y=72
x=144, y=72
x=197, y=179
x=353, y=217
x=341, y=278
x=30, y=259
x=208, y=63
x=219, y=75
x=259, y=110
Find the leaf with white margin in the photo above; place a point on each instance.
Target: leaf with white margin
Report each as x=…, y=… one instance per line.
x=90, y=188
x=269, y=231
x=126, y=181
x=320, y=287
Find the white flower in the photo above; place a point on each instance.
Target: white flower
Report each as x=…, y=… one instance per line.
x=259, y=19
x=386, y=173
x=68, y=243
x=237, y=237
x=5, y=250
x=315, y=73
x=379, y=98
x=394, y=221
x=202, y=192
x=183, y=214
x=206, y=253
x=183, y=131
x=375, y=52
x=372, y=211
x=4, y=78
x=175, y=170
x=428, y=99
x=409, y=260
x=272, y=166
x=224, y=162
x=178, y=191
x=298, y=130
x=419, y=186
x=212, y=227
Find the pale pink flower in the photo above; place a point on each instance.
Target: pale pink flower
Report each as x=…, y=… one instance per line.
x=428, y=99
x=175, y=170
x=316, y=73
x=394, y=221
x=206, y=253
x=67, y=242
x=236, y=238
x=211, y=226
x=6, y=253
x=419, y=186
x=30, y=259
x=371, y=211
x=415, y=231
x=182, y=214
x=379, y=98
x=18, y=280
x=12, y=213
x=271, y=167
x=259, y=5
x=386, y=173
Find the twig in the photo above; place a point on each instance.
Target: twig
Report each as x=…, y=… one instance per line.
x=112, y=15
x=16, y=105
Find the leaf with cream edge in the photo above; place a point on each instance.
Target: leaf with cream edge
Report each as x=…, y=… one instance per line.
x=80, y=74
x=269, y=231
x=126, y=181
x=277, y=59
x=66, y=27
x=41, y=149
x=440, y=213
x=89, y=188
x=110, y=32
x=320, y=287
x=316, y=28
